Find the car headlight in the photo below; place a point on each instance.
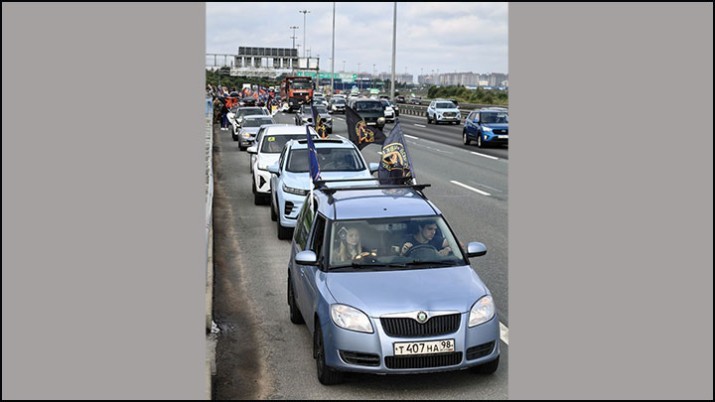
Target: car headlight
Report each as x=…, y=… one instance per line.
x=381, y=120
x=293, y=190
x=245, y=134
x=487, y=129
x=482, y=311
x=350, y=318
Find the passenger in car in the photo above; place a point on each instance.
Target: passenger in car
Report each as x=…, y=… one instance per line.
x=349, y=245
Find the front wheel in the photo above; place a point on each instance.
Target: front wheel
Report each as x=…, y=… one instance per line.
x=465, y=138
x=480, y=142
x=326, y=375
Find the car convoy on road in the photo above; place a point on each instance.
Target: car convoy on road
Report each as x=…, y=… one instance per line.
x=404, y=298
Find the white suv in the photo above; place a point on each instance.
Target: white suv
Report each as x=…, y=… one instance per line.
x=269, y=144
x=440, y=110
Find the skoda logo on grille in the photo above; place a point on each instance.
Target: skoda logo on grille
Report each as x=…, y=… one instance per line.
x=422, y=317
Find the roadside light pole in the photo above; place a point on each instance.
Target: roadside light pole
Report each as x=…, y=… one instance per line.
x=394, y=44
x=305, y=13
x=293, y=37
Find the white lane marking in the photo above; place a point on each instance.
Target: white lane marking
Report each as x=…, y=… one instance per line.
x=420, y=125
x=412, y=136
x=470, y=188
x=504, y=333
x=486, y=156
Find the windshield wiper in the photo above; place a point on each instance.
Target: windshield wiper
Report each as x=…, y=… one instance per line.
x=442, y=263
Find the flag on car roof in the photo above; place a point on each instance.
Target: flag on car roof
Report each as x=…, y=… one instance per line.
x=359, y=132
x=395, y=165
x=319, y=124
x=313, y=165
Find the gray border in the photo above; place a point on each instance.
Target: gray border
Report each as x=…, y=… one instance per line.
x=103, y=207
x=611, y=201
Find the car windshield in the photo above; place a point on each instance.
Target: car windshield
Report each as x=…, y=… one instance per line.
x=273, y=144
x=257, y=122
x=445, y=105
x=368, y=106
x=393, y=244
x=301, y=85
x=494, y=117
x=329, y=160
x=339, y=101
x=321, y=109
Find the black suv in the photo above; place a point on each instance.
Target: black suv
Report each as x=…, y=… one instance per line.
x=370, y=110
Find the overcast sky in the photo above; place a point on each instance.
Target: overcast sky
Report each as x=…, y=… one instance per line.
x=431, y=37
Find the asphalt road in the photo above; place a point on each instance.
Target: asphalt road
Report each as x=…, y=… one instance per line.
x=261, y=355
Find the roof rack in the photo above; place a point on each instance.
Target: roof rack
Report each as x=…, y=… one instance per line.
x=320, y=185
x=322, y=140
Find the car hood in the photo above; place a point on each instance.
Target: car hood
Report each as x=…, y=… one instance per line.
x=302, y=180
x=267, y=158
x=496, y=126
x=386, y=292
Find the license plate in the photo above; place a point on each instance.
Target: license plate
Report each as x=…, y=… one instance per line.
x=423, y=348
x=502, y=136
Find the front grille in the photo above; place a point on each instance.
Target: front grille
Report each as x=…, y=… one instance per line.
x=410, y=362
x=360, y=359
x=410, y=328
x=482, y=350
x=501, y=131
x=449, y=114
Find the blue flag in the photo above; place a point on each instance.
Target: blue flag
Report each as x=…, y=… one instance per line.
x=395, y=165
x=313, y=166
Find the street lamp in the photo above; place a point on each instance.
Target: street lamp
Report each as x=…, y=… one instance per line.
x=293, y=37
x=305, y=13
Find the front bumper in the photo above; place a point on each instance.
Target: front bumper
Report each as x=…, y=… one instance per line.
x=373, y=353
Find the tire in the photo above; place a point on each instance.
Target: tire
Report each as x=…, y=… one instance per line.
x=326, y=375
x=274, y=216
x=465, y=138
x=295, y=316
x=283, y=232
x=240, y=148
x=480, y=143
x=487, y=368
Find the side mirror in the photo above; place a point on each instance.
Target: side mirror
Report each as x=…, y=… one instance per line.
x=274, y=169
x=252, y=149
x=476, y=249
x=374, y=167
x=306, y=257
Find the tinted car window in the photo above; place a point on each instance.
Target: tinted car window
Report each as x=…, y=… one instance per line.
x=445, y=105
x=375, y=106
x=494, y=117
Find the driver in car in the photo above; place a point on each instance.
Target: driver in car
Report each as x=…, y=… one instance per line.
x=425, y=237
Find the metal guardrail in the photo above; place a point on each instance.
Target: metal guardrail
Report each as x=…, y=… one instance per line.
x=421, y=109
